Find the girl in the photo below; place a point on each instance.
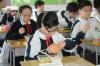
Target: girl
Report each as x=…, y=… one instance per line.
x=46, y=37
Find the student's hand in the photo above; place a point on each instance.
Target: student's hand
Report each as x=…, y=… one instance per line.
x=62, y=44
x=21, y=30
x=54, y=48
x=85, y=27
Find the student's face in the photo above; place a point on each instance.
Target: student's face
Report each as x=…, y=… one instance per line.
x=26, y=15
x=85, y=12
x=52, y=29
x=48, y=31
x=40, y=8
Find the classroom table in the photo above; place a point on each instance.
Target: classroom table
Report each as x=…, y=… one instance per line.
x=94, y=46
x=13, y=45
x=64, y=31
x=69, y=60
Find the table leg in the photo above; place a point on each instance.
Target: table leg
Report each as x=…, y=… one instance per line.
x=84, y=51
x=96, y=56
x=10, y=57
x=13, y=56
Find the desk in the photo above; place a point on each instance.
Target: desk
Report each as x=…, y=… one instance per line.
x=95, y=46
x=64, y=31
x=70, y=59
x=13, y=45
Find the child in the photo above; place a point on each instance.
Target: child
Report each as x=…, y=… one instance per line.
x=39, y=8
x=86, y=25
x=46, y=37
x=96, y=11
x=23, y=26
x=69, y=16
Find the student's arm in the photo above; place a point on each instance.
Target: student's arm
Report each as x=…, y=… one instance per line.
x=79, y=36
x=4, y=19
x=70, y=44
x=76, y=30
x=58, y=44
x=13, y=33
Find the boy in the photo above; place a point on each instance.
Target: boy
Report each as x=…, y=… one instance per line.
x=39, y=6
x=68, y=17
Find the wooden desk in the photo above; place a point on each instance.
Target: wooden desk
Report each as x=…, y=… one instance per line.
x=17, y=43
x=93, y=44
x=64, y=31
x=13, y=45
x=70, y=59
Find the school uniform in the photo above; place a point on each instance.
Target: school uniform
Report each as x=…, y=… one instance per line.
x=78, y=27
x=35, y=15
x=77, y=33
x=7, y=19
x=95, y=14
x=38, y=42
x=64, y=19
x=14, y=34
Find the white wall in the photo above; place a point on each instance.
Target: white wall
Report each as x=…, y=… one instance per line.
x=53, y=7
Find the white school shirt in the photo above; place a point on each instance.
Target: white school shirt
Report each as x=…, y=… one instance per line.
x=95, y=14
x=62, y=21
x=36, y=44
x=78, y=27
x=33, y=17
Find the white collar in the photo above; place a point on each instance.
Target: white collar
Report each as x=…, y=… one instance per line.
x=41, y=35
x=82, y=20
x=38, y=12
x=23, y=23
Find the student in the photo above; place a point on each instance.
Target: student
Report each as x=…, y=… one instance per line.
x=85, y=25
x=7, y=18
x=68, y=17
x=23, y=26
x=96, y=12
x=46, y=37
x=39, y=6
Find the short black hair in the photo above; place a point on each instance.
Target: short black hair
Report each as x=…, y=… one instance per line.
x=38, y=3
x=78, y=1
x=72, y=7
x=21, y=8
x=96, y=3
x=84, y=3
x=48, y=19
